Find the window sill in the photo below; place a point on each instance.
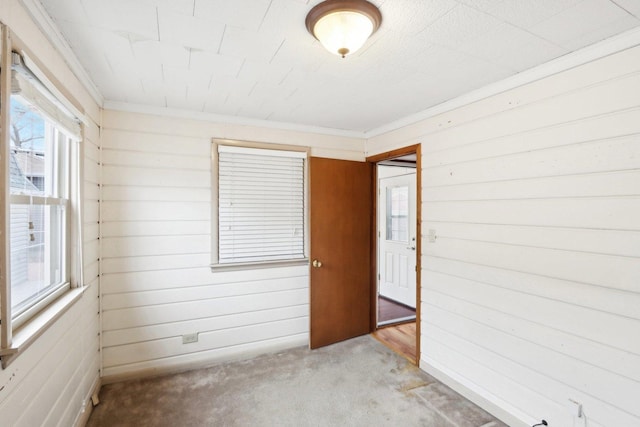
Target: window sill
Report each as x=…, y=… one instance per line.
x=257, y=265
x=28, y=333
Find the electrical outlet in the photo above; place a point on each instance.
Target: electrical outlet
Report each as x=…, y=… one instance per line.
x=575, y=408
x=432, y=236
x=189, y=338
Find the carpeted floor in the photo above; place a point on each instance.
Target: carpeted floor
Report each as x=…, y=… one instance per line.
x=359, y=382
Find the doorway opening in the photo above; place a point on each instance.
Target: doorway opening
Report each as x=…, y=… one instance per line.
x=396, y=240
x=395, y=308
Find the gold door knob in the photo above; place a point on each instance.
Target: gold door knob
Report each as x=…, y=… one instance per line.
x=316, y=263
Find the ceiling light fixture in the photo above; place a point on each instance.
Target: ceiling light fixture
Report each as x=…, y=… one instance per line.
x=343, y=26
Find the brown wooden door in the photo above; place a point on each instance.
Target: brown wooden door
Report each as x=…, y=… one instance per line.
x=340, y=223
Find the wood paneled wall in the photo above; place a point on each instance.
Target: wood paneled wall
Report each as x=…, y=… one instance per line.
x=530, y=292
x=156, y=248
x=51, y=381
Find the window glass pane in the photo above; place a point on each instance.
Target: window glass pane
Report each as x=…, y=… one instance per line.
x=36, y=251
x=398, y=214
x=27, y=162
x=38, y=226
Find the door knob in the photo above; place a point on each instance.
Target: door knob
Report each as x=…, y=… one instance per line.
x=316, y=263
x=413, y=248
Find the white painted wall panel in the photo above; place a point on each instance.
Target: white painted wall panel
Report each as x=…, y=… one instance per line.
x=203, y=357
x=156, y=249
x=90, y=211
x=146, y=159
x=555, y=314
x=595, y=128
x=611, y=242
x=194, y=293
x=598, y=156
x=91, y=173
x=588, y=185
x=155, y=262
x=530, y=292
x=154, y=211
x=149, y=140
x=161, y=132
x=587, y=351
x=161, y=194
x=50, y=382
x=616, y=213
x=169, y=347
x=156, y=177
x=176, y=329
x=181, y=311
x=155, y=245
x=606, y=97
x=146, y=228
x=620, y=272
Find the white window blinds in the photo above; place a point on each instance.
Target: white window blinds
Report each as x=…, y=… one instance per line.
x=25, y=85
x=261, y=210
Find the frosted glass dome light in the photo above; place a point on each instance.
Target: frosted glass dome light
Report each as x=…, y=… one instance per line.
x=343, y=26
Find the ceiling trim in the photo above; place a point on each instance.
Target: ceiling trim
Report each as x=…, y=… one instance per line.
x=225, y=119
x=574, y=59
x=50, y=30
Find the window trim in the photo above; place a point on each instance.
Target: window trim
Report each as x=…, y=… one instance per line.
x=6, y=339
x=62, y=158
x=215, y=198
x=16, y=335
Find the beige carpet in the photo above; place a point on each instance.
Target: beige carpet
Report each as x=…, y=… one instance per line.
x=359, y=382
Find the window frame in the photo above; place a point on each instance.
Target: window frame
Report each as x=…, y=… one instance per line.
x=62, y=163
x=16, y=336
x=215, y=204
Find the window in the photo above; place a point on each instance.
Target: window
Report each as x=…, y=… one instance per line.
x=40, y=164
x=39, y=205
x=398, y=214
x=259, y=214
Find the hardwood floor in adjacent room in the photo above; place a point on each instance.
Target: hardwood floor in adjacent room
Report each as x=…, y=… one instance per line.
x=399, y=338
x=389, y=310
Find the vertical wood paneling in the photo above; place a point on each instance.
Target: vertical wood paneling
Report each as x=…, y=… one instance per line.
x=530, y=290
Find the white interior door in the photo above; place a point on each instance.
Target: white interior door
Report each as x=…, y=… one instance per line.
x=397, y=234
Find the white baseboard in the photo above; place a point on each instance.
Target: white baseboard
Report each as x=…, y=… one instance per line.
x=85, y=412
x=506, y=416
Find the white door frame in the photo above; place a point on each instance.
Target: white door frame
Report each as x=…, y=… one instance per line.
x=397, y=246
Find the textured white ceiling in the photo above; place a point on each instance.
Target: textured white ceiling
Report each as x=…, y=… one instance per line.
x=255, y=59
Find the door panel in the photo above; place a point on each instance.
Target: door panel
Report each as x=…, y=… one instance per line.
x=340, y=239
x=397, y=238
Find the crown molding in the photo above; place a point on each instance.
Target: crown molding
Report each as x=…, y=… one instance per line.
x=225, y=119
x=604, y=48
x=41, y=17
